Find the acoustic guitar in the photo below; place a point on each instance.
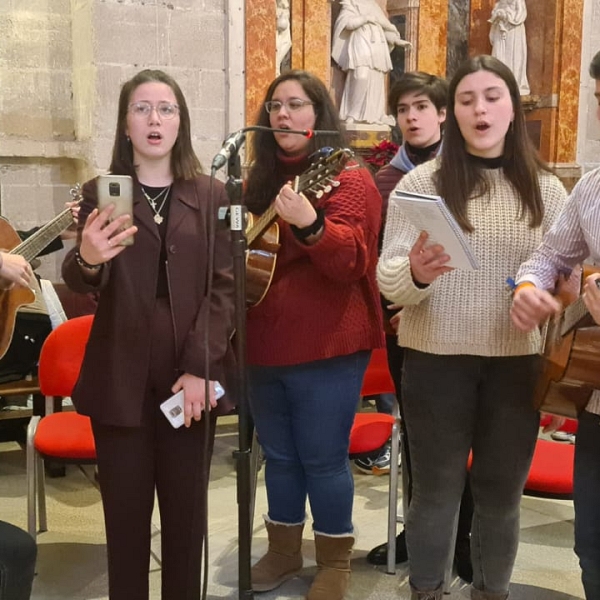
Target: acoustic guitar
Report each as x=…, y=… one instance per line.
x=262, y=233
x=12, y=299
x=571, y=353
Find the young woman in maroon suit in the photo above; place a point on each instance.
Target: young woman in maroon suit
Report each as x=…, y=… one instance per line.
x=151, y=338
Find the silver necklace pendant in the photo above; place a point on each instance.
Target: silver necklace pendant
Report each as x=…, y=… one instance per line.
x=158, y=219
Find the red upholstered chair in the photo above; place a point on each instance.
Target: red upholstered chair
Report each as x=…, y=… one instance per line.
x=551, y=472
x=371, y=431
x=62, y=436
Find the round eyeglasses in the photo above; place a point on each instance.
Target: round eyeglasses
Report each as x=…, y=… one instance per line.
x=165, y=110
x=292, y=105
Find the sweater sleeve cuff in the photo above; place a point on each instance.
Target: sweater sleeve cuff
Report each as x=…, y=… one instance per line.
x=396, y=283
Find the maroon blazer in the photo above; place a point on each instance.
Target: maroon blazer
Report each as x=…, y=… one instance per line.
x=113, y=376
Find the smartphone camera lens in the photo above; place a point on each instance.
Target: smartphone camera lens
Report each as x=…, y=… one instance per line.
x=114, y=188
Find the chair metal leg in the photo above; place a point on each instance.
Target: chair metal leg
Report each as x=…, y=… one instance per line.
x=32, y=467
x=41, y=492
x=393, y=498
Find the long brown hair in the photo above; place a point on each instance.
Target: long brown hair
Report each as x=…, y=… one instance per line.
x=459, y=178
x=184, y=162
x=262, y=183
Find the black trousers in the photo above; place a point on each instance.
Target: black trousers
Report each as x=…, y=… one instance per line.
x=395, y=356
x=18, y=552
x=136, y=462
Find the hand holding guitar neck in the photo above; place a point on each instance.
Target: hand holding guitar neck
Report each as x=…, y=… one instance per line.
x=14, y=270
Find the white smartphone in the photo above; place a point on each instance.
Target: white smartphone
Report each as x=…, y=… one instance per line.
x=117, y=190
x=173, y=407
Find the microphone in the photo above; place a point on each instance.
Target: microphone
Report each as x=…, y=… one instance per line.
x=230, y=147
x=235, y=140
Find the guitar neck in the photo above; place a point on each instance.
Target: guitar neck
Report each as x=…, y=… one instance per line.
x=35, y=243
x=261, y=224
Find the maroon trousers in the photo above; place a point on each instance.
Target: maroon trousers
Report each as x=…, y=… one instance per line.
x=133, y=463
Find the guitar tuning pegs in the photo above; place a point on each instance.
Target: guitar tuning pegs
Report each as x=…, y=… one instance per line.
x=75, y=191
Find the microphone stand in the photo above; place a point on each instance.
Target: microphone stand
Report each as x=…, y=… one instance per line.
x=242, y=456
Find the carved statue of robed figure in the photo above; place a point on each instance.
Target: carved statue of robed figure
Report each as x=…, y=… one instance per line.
x=508, y=38
x=362, y=39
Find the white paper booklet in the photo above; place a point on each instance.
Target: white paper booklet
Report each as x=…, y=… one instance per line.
x=430, y=214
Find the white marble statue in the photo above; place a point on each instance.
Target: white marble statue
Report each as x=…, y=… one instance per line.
x=363, y=37
x=509, y=42
x=284, y=35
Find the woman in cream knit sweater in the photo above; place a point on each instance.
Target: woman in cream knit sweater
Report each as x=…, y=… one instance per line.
x=468, y=373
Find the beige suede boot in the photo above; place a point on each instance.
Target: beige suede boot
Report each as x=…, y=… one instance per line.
x=333, y=560
x=282, y=561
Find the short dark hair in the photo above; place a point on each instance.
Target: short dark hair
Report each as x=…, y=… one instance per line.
x=595, y=66
x=184, y=162
x=432, y=86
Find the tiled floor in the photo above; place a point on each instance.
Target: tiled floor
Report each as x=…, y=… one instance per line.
x=71, y=562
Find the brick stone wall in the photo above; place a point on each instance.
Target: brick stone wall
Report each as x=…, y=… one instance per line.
x=62, y=63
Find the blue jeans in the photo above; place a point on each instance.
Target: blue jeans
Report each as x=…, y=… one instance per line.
x=303, y=415
x=454, y=405
x=586, y=497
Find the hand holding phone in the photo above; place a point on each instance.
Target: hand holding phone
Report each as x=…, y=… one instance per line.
x=173, y=407
x=117, y=190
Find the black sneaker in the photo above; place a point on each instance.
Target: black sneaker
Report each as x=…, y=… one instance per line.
x=365, y=464
x=376, y=465
x=378, y=556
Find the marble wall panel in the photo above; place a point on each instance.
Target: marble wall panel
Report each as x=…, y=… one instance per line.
x=459, y=18
x=568, y=80
x=479, y=33
x=433, y=27
x=260, y=53
x=316, y=39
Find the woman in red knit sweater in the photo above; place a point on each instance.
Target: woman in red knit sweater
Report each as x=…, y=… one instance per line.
x=309, y=340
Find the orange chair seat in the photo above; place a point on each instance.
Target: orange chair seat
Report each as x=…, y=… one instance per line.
x=551, y=472
x=66, y=435
x=370, y=432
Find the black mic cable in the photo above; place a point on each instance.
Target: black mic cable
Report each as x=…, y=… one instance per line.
x=235, y=140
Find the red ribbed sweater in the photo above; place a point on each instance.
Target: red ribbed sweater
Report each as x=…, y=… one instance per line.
x=323, y=300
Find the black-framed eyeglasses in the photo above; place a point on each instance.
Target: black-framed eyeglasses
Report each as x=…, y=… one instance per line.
x=292, y=105
x=143, y=109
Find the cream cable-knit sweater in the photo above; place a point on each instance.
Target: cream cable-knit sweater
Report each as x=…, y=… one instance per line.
x=466, y=312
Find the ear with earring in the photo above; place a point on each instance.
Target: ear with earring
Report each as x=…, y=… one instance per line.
x=128, y=139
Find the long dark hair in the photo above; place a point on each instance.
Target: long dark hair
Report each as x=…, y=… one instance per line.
x=184, y=162
x=262, y=183
x=459, y=178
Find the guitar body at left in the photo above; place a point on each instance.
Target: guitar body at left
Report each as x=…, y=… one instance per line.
x=261, y=259
x=12, y=299
x=571, y=354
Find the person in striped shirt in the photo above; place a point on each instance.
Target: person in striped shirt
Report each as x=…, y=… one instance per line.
x=574, y=237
